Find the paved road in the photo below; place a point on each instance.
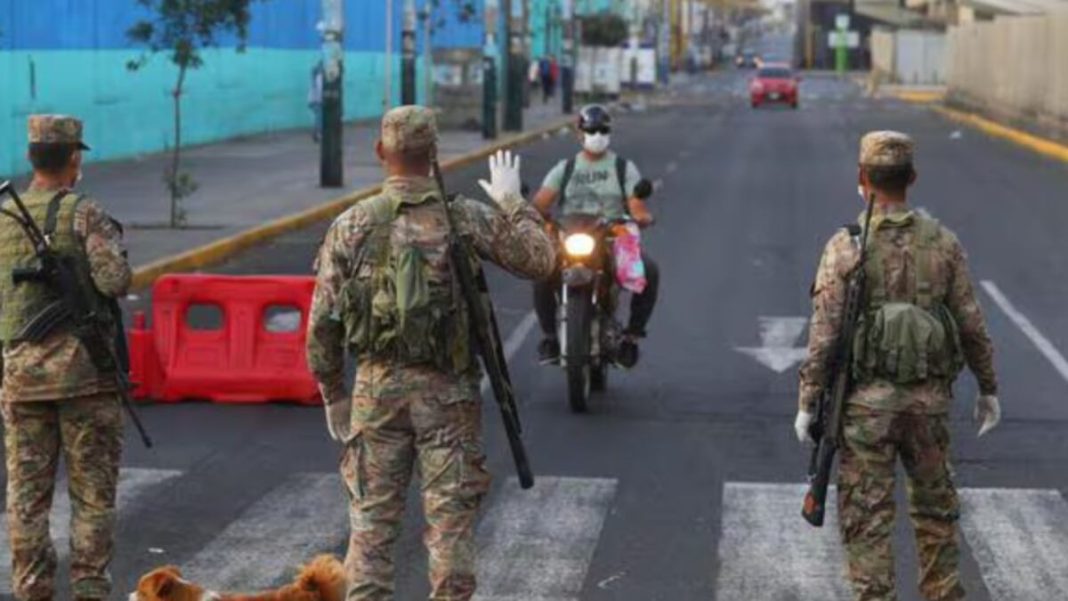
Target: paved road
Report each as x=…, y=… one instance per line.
x=683, y=482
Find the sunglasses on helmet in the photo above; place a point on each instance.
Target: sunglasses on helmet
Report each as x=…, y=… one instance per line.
x=598, y=129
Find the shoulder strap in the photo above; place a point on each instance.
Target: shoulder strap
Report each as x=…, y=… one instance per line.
x=923, y=250
x=52, y=216
x=382, y=208
x=569, y=170
x=621, y=177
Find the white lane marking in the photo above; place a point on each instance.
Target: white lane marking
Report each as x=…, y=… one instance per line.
x=537, y=544
x=305, y=515
x=778, y=336
x=1019, y=538
x=1045, y=347
x=133, y=483
x=671, y=167
x=515, y=340
x=768, y=552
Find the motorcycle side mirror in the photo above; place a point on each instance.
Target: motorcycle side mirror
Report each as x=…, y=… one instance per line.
x=643, y=189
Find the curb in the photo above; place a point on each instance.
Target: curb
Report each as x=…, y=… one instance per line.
x=1037, y=144
x=917, y=97
x=223, y=248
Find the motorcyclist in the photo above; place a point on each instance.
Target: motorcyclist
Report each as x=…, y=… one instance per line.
x=595, y=181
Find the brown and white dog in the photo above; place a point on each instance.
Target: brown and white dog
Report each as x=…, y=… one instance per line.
x=321, y=580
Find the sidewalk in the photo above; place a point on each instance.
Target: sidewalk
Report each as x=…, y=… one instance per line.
x=246, y=182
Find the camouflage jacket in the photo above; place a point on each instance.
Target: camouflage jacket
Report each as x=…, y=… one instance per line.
x=516, y=241
x=951, y=285
x=60, y=367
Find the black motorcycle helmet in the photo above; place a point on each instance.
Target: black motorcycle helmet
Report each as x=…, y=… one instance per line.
x=594, y=119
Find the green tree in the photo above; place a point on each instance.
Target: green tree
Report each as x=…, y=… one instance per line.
x=183, y=29
x=604, y=29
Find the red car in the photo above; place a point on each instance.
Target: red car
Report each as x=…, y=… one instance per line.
x=774, y=83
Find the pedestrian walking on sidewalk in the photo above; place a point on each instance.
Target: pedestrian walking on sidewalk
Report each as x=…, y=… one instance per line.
x=56, y=403
x=385, y=289
x=315, y=99
x=919, y=324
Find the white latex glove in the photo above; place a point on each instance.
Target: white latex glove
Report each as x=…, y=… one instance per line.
x=801, y=426
x=987, y=412
x=338, y=418
x=504, y=187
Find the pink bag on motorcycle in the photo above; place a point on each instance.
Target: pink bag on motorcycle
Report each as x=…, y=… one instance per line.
x=627, y=252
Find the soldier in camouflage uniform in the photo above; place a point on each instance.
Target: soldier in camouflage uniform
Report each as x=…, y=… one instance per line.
x=55, y=402
x=919, y=324
x=386, y=293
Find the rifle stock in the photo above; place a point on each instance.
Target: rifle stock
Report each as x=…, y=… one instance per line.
x=826, y=430
x=487, y=338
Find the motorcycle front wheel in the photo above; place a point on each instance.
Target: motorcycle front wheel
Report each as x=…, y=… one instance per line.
x=577, y=349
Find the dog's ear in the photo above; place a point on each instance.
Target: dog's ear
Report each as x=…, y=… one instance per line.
x=162, y=582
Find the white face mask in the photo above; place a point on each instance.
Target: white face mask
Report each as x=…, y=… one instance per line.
x=860, y=192
x=78, y=179
x=596, y=143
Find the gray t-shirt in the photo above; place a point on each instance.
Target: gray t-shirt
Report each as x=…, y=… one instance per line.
x=594, y=186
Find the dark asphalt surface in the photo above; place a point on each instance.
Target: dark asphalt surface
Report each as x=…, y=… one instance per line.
x=747, y=200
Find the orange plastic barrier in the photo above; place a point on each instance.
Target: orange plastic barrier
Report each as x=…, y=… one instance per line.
x=253, y=354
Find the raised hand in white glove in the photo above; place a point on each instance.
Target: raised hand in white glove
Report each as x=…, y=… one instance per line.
x=504, y=187
x=801, y=427
x=987, y=412
x=338, y=417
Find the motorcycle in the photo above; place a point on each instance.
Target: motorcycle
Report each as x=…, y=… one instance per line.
x=589, y=333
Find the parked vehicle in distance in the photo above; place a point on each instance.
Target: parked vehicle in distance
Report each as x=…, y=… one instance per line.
x=747, y=59
x=774, y=83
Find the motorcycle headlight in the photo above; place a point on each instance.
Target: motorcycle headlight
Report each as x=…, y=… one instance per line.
x=579, y=245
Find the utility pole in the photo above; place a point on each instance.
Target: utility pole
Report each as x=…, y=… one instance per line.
x=567, y=59
x=428, y=62
x=408, y=54
x=664, y=42
x=331, y=165
x=490, y=51
x=514, y=76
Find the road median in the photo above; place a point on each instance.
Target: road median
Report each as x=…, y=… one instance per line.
x=219, y=250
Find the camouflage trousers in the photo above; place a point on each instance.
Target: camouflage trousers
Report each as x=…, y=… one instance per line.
x=87, y=433
x=438, y=440
x=872, y=441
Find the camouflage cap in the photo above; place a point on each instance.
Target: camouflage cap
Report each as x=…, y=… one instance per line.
x=56, y=129
x=886, y=149
x=409, y=128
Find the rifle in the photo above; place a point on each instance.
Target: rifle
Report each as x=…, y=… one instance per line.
x=487, y=336
x=827, y=427
x=70, y=307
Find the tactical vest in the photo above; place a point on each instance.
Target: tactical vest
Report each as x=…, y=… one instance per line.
x=906, y=340
x=396, y=307
x=54, y=213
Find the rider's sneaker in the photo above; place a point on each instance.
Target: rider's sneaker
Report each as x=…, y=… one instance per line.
x=627, y=355
x=549, y=351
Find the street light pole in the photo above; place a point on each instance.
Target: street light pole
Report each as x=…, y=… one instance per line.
x=331, y=173
x=567, y=59
x=408, y=54
x=387, y=87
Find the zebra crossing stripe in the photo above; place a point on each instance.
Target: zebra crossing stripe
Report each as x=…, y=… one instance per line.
x=1019, y=538
x=306, y=514
x=768, y=552
x=133, y=483
x=536, y=545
